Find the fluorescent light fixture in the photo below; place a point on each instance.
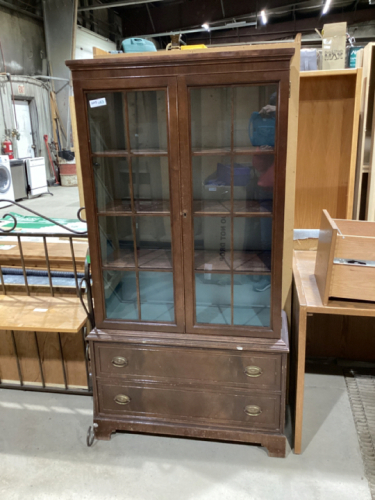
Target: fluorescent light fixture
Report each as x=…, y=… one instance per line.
x=206, y=26
x=263, y=16
x=326, y=6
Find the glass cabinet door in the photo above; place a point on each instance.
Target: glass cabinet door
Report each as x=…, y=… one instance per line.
x=232, y=154
x=131, y=171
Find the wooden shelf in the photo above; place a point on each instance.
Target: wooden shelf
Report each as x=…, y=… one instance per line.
x=330, y=72
x=240, y=207
x=243, y=261
x=251, y=150
x=155, y=259
x=123, y=208
x=126, y=153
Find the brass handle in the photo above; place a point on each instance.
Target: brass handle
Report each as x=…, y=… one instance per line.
x=253, y=371
x=121, y=399
x=252, y=410
x=119, y=362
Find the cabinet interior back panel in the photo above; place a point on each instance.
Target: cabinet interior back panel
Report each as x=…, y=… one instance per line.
x=324, y=155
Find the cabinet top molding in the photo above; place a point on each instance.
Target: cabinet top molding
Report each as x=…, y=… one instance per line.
x=182, y=58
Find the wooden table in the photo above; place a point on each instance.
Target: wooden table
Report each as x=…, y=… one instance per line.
x=306, y=300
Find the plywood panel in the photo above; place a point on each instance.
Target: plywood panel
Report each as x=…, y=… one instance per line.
x=345, y=337
x=28, y=357
x=327, y=137
x=75, y=361
x=49, y=349
x=353, y=282
x=8, y=362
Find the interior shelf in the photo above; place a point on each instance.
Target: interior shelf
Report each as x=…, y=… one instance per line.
x=125, y=152
x=243, y=261
x=251, y=150
x=123, y=207
x=156, y=259
x=248, y=207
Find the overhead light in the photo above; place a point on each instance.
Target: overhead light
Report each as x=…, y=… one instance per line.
x=206, y=26
x=263, y=16
x=326, y=6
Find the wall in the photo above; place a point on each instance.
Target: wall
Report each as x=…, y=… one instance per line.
x=22, y=40
x=34, y=89
x=59, y=20
x=86, y=40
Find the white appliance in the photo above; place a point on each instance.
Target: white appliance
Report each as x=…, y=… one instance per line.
x=6, y=184
x=36, y=176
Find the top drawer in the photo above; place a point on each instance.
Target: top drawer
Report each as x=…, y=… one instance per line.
x=205, y=366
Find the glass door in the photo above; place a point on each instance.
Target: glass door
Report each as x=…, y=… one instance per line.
x=135, y=177
x=230, y=207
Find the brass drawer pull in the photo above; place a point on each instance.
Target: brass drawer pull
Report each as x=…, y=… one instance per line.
x=121, y=399
x=119, y=362
x=252, y=410
x=253, y=371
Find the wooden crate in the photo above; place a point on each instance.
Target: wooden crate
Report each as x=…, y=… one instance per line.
x=327, y=145
x=342, y=268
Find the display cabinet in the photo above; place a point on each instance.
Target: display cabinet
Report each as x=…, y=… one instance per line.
x=183, y=158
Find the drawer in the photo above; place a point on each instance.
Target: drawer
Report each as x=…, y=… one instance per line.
x=239, y=408
x=190, y=365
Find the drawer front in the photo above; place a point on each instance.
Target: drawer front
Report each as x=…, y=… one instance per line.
x=194, y=365
x=243, y=409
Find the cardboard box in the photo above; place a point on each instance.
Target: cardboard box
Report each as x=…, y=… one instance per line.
x=333, y=45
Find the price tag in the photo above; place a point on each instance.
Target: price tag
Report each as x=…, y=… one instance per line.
x=95, y=103
x=37, y=310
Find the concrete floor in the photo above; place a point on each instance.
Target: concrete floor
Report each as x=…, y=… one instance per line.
x=63, y=204
x=43, y=456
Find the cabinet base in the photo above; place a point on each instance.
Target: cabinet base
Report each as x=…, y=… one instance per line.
x=274, y=443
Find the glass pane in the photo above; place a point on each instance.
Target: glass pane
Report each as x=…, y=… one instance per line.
x=253, y=183
x=116, y=241
x=148, y=120
x=212, y=298
x=252, y=240
x=151, y=183
x=212, y=236
x=106, y=121
x=154, y=242
x=157, y=301
x=254, y=116
x=252, y=300
x=112, y=184
x=211, y=184
x=120, y=292
x=210, y=118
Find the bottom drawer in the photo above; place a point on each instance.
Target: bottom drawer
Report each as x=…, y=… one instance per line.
x=239, y=408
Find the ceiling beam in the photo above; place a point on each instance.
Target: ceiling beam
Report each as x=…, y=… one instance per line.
x=111, y=5
x=21, y=11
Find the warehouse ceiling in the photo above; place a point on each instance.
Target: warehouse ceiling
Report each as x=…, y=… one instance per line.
x=229, y=21
x=233, y=21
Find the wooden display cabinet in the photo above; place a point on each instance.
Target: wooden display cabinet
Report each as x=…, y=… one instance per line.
x=185, y=216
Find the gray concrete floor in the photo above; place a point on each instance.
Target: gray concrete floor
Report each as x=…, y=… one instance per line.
x=43, y=456
x=63, y=204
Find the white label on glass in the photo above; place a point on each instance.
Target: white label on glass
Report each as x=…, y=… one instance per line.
x=37, y=310
x=208, y=267
x=95, y=103
x=212, y=189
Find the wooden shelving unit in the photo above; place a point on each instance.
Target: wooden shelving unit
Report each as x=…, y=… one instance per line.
x=327, y=145
x=364, y=200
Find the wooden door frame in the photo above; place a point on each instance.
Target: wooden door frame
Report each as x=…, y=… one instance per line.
x=279, y=77
x=107, y=84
